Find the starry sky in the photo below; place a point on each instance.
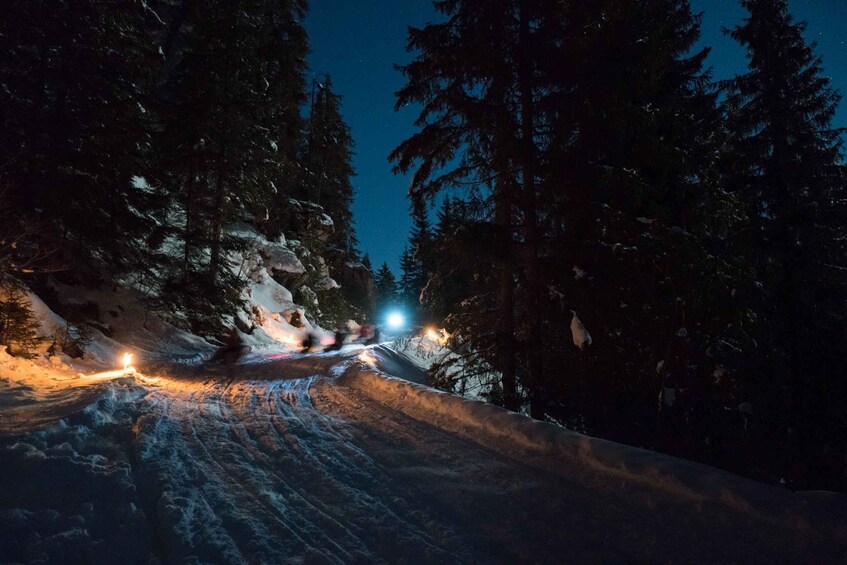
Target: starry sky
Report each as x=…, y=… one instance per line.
x=358, y=42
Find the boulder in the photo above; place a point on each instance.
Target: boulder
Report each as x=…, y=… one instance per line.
x=356, y=278
x=307, y=217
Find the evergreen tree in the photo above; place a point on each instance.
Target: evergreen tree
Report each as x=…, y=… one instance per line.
x=229, y=108
x=386, y=287
x=366, y=262
x=328, y=163
x=785, y=168
x=74, y=108
x=18, y=326
x=469, y=136
x=409, y=290
x=416, y=259
x=628, y=178
x=593, y=141
x=447, y=218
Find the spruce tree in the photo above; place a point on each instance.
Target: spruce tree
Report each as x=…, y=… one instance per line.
x=18, y=326
x=417, y=259
x=625, y=173
x=74, y=106
x=328, y=163
x=447, y=286
x=230, y=129
x=386, y=287
x=469, y=136
x=786, y=169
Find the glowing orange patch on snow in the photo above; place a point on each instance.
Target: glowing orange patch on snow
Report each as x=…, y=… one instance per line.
x=439, y=336
x=366, y=357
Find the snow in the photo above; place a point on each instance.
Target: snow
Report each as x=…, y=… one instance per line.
x=581, y=337
x=327, y=458
x=273, y=256
x=140, y=182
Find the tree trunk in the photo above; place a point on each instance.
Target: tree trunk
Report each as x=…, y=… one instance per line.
x=217, y=223
x=529, y=199
x=189, y=195
x=506, y=299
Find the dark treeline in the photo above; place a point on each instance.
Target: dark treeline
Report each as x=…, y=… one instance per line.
x=135, y=133
x=603, y=184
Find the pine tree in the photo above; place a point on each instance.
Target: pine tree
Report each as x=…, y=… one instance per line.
x=386, y=287
x=229, y=109
x=786, y=156
x=417, y=259
x=76, y=125
x=328, y=163
x=469, y=136
x=18, y=326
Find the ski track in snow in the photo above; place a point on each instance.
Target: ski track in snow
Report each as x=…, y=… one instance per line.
x=282, y=464
x=253, y=471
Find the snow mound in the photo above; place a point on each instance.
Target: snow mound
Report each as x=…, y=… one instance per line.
x=269, y=306
x=74, y=499
x=564, y=451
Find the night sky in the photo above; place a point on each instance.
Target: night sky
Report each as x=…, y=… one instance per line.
x=358, y=42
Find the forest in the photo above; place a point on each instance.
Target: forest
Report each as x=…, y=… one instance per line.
x=135, y=133
x=626, y=245
x=614, y=240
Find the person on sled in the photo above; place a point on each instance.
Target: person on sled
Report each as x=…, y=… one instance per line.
x=309, y=341
x=231, y=351
x=340, y=336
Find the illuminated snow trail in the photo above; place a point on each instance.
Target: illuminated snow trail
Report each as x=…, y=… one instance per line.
x=286, y=463
x=252, y=470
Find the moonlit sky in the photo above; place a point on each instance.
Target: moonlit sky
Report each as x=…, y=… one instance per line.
x=358, y=42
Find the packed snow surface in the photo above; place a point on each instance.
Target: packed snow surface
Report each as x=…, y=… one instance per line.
x=324, y=458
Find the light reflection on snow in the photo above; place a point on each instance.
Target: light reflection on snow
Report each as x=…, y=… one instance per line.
x=117, y=374
x=367, y=357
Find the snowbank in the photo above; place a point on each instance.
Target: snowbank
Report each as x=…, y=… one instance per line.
x=68, y=494
x=429, y=348
x=269, y=303
x=565, y=451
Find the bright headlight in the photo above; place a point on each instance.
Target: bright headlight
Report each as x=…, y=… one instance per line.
x=396, y=320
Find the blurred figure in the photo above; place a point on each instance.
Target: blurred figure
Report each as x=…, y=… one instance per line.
x=308, y=342
x=231, y=351
x=366, y=333
x=340, y=337
x=375, y=334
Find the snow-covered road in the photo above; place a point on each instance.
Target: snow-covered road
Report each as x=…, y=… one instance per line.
x=287, y=464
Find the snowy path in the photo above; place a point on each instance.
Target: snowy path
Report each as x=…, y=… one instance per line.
x=286, y=464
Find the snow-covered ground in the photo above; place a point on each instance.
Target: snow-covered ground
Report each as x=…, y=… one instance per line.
x=323, y=459
x=327, y=458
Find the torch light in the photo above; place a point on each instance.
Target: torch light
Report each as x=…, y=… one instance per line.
x=127, y=361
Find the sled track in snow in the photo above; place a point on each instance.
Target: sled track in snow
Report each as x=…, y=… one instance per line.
x=257, y=472
x=307, y=470
x=285, y=464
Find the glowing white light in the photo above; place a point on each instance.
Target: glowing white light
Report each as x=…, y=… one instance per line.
x=127, y=360
x=396, y=320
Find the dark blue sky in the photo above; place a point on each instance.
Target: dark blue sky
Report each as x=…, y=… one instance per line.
x=359, y=41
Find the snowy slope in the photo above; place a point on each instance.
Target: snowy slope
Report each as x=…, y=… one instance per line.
x=326, y=458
